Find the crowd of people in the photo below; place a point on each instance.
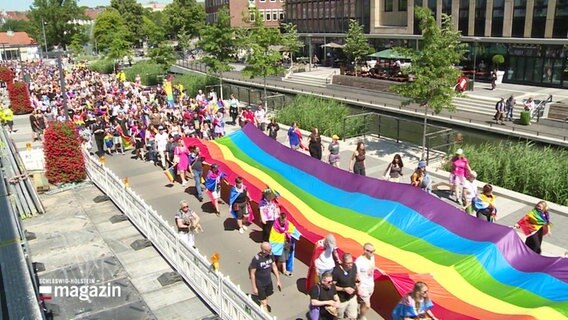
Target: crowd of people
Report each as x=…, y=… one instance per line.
x=118, y=114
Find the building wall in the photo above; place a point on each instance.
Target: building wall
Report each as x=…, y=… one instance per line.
x=328, y=16
x=272, y=11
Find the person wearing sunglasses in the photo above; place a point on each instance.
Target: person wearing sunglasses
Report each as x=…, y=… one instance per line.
x=324, y=299
x=345, y=277
x=415, y=305
x=187, y=223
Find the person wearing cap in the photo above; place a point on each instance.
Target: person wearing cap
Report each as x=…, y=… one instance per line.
x=458, y=174
x=324, y=259
x=420, y=178
x=333, y=149
x=213, y=186
x=470, y=191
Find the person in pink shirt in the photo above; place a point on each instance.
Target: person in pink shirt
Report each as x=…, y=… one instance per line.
x=460, y=170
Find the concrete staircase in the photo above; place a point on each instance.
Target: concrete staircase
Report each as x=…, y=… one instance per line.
x=482, y=106
x=308, y=79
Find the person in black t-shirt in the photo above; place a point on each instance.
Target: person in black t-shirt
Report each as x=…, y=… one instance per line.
x=260, y=269
x=345, y=277
x=273, y=128
x=99, y=131
x=323, y=296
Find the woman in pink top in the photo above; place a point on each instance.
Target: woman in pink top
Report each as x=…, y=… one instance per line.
x=460, y=170
x=181, y=159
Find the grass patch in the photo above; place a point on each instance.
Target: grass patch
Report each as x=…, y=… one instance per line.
x=150, y=73
x=313, y=112
x=105, y=66
x=522, y=167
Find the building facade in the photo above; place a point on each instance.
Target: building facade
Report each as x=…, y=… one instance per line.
x=17, y=46
x=271, y=11
x=530, y=34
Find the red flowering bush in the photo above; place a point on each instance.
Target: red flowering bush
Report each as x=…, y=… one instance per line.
x=63, y=157
x=6, y=74
x=19, y=97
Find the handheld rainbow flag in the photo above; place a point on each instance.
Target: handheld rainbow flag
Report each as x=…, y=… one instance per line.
x=170, y=173
x=474, y=269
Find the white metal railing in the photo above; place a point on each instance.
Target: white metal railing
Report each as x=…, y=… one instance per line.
x=216, y=289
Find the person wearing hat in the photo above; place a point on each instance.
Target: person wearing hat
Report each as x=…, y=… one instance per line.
x=420, y=178
x=458, y=174
x=470, y=191
x=324, y=259
x=334, y=151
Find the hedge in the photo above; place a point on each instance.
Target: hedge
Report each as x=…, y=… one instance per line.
x=325, y=114
x=192, y=82
x=105, y=66
x=150, y=73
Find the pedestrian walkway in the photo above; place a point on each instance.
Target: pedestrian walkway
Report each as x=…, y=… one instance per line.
x=391, y=103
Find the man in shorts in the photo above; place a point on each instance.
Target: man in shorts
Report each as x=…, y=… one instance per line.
x=366, y=269
x=261, y=268
x=345, y=278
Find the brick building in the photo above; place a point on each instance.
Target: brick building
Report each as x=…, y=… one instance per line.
x=272, y=11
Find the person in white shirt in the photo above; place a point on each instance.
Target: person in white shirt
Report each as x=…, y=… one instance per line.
x=470, y=191
x=365, y=264
x=213, y=95
x=200, y=96
x=529, y=104
x=327, y=260
x=260, y=118
x=161, y=143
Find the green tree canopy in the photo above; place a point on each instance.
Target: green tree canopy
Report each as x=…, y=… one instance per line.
x=356, y=45
x=17, y=25
x=261, y=43
x=218, y=43
x=109, y=26
x=56, y=16
x=433, y=65
x=164, y=55
x=152, y=32
x=119, y=48
x=132, y=13
x=184, y=15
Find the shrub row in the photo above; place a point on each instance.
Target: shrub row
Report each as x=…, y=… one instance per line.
x=522, y=167
x=105, y=66
x=325, y=114
x=192, y=82
x=150, y=73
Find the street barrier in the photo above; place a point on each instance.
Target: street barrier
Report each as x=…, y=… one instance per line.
x=223, y=297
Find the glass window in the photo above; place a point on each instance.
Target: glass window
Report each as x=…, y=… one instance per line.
x=560, y=28
x=539, y=18
x=251, y=16
x=480, y=6
x=402, y=5
x=388, y=5
x=275, y=15
x=537, y=70
x=281, y=14
x=267, y=16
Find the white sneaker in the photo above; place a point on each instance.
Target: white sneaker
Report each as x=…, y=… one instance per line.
x=245, y=227
x=241, y=231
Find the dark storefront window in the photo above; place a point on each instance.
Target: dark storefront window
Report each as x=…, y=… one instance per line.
x=388, y=5
x=519, y=15
x=417, y=3
x=497, y=23
x=540, y=65
x=463, y=24
x=328, y=16
x=432, y=5
x=539, y=18
x=480, y=7
x=447, y=7
x=402, y=5
x=560, y=29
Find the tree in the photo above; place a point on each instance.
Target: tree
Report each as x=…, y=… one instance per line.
x=17, y=25
x=109, y=26
x=152, y=32
x=184, y=42
x=56, y=16
x=356, y=45
x=77, y=44
x=132, y=13
x=164, y=55
x=290, y=39
x=184, y=15
x=218, y=43
x=260, y=43
x=119, y=48
x=433, y=66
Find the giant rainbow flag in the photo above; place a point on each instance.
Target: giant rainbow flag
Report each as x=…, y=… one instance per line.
x=474, y=269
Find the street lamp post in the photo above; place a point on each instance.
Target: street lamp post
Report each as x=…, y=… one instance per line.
x=44, y=38
x=474, y=60
x=62, y=84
